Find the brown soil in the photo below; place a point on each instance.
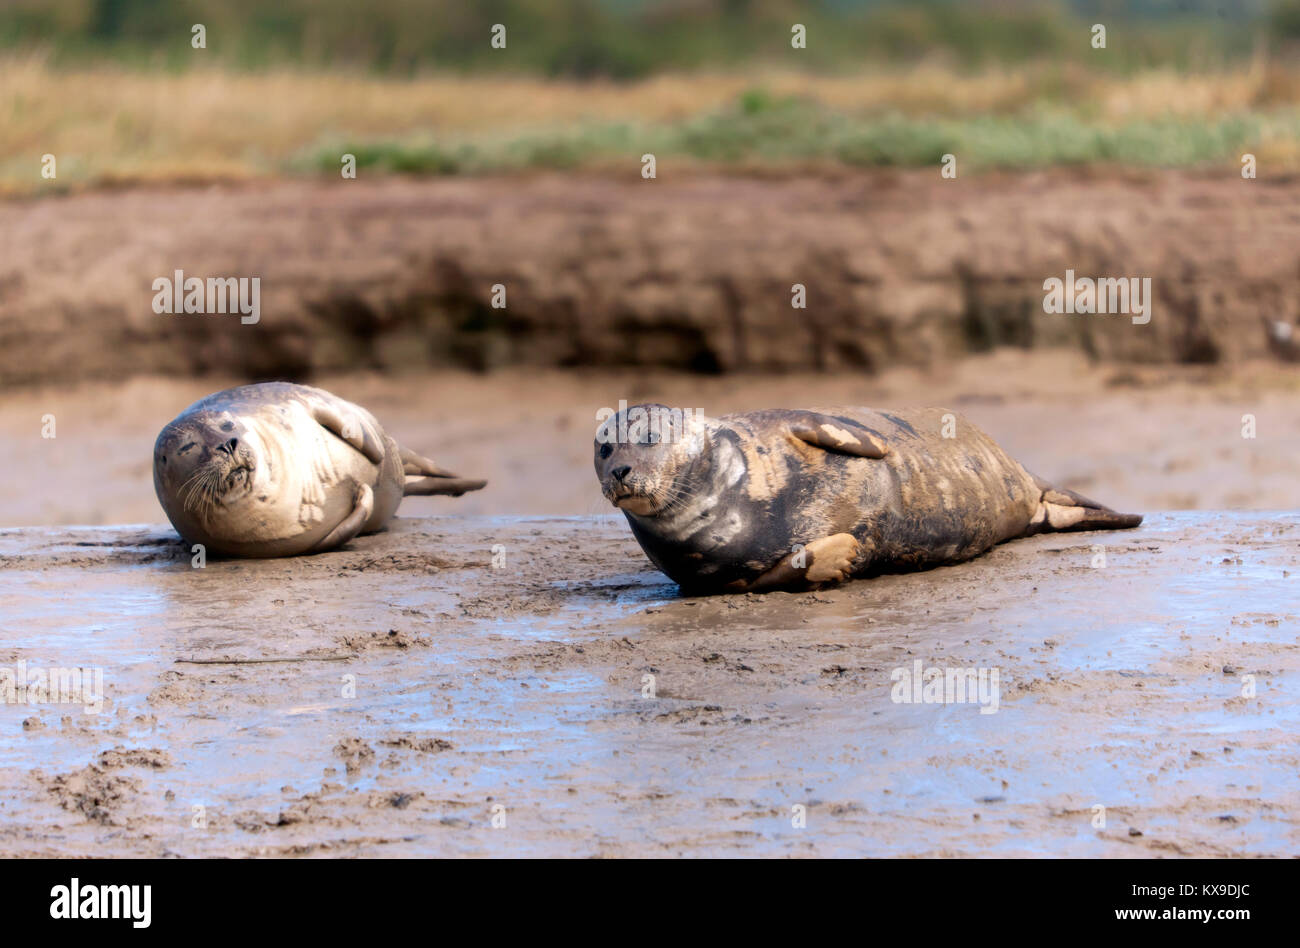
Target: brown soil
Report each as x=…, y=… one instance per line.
x=694, y=272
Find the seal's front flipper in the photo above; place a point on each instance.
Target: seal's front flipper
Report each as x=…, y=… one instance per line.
x=442, y=484
x=837, y=434
x=351, y=428
x=824, y=561
x=352, y=524
x=1060, y=510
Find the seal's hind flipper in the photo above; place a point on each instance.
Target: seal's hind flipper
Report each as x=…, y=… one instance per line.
x=413, y=463
x=837, y=434
x=1060, y=510
x=442, y=484
x=423, y=477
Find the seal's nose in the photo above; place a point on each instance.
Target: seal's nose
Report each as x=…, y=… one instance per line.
x=621, y=472
x=229, y=447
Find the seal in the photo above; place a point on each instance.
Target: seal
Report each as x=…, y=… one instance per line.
x=797, y=499
x=278, y=469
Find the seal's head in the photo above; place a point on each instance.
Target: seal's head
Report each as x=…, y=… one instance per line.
x=203, y=461
x=648, y=458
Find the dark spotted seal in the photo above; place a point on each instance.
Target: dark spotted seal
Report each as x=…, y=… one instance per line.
x=792, y=499
x=278, y=469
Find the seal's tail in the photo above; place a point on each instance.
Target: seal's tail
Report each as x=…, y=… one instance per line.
x=1060, y=510
x=423, y=477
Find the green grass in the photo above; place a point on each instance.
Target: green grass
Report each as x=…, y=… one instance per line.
x=760, y=131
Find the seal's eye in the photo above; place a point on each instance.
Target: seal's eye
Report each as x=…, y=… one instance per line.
x=606, y=450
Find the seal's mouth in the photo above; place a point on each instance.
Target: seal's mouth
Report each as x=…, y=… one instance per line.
x=220, y=481
x=238, y=475
x=632, y=501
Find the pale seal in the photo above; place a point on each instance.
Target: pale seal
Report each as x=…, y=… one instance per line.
x=278, y=469
x=794, y=499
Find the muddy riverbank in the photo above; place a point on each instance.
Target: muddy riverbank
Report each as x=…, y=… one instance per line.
x=688, y=271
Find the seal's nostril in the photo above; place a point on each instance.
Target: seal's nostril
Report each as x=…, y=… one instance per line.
x=230, y=446
x=621, y=472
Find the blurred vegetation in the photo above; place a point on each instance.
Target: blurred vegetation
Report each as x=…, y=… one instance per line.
x=625, y=39
x=112, y=124
x=114, y=89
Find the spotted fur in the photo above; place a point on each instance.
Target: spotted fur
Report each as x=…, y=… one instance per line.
x=743, y=493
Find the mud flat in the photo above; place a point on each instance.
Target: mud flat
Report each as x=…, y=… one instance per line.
x=521, y=691
x=1140, y=439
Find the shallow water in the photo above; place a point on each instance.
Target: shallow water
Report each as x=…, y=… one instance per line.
x=537, y=677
